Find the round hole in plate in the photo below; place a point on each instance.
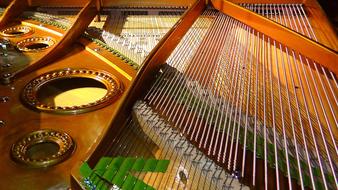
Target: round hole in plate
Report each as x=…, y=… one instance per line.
x=72, y=91
x=42, y=150
x=35, y=44
x=16, y=31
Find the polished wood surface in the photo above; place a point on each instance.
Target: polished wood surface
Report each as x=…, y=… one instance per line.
x=85, y=129
x=82, y=21
x=13, y=10
x=323, y=27
x=24, y=59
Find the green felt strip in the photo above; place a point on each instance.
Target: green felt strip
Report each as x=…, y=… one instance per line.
x=104, y=187
x=109, y=174
x=127, y=165
x=119, y=179
x=96, y=180
x=116, y=170
x=85, y=170
x=100, y=185
x=103, y=163
x=113, y=168
x=140, y=185
x=138, y=165
x=162, y=166
x=150, y=165
x=129, y=182
x=121, y=174
x=116, y=162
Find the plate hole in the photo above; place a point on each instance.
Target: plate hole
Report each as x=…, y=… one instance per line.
x=42, y=150
x=15, y=32
x=71, y=92
x=36, y=46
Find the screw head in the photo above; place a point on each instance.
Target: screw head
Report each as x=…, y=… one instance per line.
x=6, y=75
x=6, y=65
x=4, y=99
x=2, y=123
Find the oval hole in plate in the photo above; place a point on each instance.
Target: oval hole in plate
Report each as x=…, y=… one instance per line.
x=70, y=92
x=35, y=46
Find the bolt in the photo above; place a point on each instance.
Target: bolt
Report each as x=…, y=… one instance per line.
x=4, y=99
x=6, y=75
x=2, y=123
x=7, y=65
x=6, y=78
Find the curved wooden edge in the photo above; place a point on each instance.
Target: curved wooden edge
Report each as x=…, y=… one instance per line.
x=326, y=24
x=307, y=47
x=14, y=9
x=145, y=75
x=81, y=23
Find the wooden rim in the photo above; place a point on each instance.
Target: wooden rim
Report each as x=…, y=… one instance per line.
x=19, y=151
x=25, y=44
x=111, y=83
x=16, y=31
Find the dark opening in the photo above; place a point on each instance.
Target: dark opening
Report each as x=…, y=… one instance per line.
x=42, y=150
x=36, y=46
x=15, y=32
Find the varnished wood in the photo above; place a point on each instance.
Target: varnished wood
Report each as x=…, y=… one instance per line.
x=98, y=7
x=326, y=35
x=266, y=1
x=82, y=21
x=309, y=48
x=85, y=128
x=13, y=11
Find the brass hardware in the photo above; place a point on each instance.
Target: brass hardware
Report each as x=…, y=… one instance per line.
x=16, y=31
x=111, y=83
x=43, y=148
x=35, y=44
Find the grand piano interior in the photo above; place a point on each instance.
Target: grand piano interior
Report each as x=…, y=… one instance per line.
x=173, y=94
